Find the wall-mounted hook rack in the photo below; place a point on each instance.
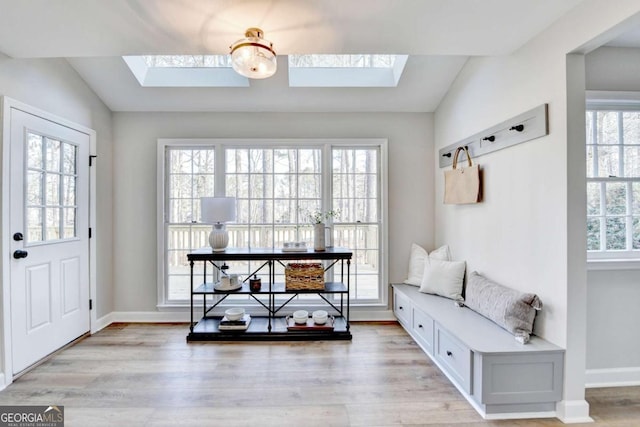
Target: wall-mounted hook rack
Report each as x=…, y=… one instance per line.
x=527, y=126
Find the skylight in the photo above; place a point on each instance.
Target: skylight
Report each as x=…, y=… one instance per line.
x=342, y=61
x=185, y=71
x=354, y=70
x=187, y=61
x=364, y=70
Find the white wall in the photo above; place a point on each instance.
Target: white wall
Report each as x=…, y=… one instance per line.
x=612, y=295
x=527, y=233
x=135, y=262
x=53, y=86
x=613, y=69
x=613, y=318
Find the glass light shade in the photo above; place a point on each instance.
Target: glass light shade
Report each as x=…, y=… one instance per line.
x=253, y=56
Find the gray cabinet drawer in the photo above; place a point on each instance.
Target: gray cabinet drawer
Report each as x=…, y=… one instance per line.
x=402, y=308
x=423, y=328
x=455, y=357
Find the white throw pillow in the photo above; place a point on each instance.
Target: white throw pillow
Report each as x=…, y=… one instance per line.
x=442, y=253
x=419, y=257
x=444, y=278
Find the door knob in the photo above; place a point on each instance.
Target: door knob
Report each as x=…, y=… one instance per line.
x=20, y=254
x=18, y=237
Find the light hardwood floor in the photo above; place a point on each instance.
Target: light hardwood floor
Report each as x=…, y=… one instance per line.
x=148, y=375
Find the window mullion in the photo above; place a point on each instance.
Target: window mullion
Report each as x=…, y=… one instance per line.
x=219, y=172
x=621, y=171
x=603, y=216
x=628, y=218
x=594, y=133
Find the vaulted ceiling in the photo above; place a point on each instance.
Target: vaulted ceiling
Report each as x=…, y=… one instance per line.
x=439, y=36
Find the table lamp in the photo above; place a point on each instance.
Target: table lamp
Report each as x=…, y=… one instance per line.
x=217, y=211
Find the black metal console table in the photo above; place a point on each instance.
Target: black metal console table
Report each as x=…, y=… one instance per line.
x=271, y=326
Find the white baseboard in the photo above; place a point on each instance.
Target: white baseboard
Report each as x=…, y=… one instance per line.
x=151, y=316
x=372, y=316
x=573, y=411
x=183, y=316
x=3, y=385
x=102, y=323
x=614, y=377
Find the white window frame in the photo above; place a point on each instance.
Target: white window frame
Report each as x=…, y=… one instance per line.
x=613, y=259
x=220, y=144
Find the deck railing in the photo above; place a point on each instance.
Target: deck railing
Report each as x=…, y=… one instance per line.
x=183, y=238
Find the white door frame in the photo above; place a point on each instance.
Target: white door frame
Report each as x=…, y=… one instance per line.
x=6, y=369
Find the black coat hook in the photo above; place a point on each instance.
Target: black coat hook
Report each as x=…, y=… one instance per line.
x=517, y=128
x=446, y=155
x=490, y=138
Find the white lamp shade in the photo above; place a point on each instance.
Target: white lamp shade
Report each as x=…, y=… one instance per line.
x=217, y=209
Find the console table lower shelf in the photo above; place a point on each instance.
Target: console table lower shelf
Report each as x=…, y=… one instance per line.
x=207, y=329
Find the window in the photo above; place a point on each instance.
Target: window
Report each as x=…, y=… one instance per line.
x=189, y=176
x=342, y=61
x=50, y=189
x=613, y=183
x=185, y=71
x=277, y=184
x=362, y=70
x=188, y=61
x=346, y=70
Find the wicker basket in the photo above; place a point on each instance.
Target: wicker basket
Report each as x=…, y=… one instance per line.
x=304, y=277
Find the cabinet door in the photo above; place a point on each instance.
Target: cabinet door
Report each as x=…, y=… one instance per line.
x=454, y=357
x=423, y=329
x=402, y=308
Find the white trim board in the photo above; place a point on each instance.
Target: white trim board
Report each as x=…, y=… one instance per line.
x=525, y=127
x=183, y=316
x=573, y=411
x=613, y=377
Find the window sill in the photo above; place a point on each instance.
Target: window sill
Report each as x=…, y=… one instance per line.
x=613, y=264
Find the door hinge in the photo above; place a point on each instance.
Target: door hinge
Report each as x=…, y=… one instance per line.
x=89, y=232
x=90, y=304
x=91, y=157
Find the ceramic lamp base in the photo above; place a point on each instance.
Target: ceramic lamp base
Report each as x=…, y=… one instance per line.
x=218, y=238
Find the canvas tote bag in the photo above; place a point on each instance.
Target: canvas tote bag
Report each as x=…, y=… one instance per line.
x=462, y=185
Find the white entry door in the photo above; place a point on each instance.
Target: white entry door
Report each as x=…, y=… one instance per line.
x=49, y=226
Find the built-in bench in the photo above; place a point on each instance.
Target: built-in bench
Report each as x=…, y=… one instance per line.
x=500, y=377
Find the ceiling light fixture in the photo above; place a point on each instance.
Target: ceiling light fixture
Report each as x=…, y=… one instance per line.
x=254, y=56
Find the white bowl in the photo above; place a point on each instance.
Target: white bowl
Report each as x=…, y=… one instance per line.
x=234, y=313
x=320, y=317
x=300, y=316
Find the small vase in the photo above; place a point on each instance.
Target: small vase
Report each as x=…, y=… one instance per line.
x=319, y=237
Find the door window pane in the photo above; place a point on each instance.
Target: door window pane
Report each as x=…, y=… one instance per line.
x=52, y=155
x=34, y=187
x=69, y=155
x=34, y=151
x=51, y=178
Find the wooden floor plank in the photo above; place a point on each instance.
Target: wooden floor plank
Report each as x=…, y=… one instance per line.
x=148, y=375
